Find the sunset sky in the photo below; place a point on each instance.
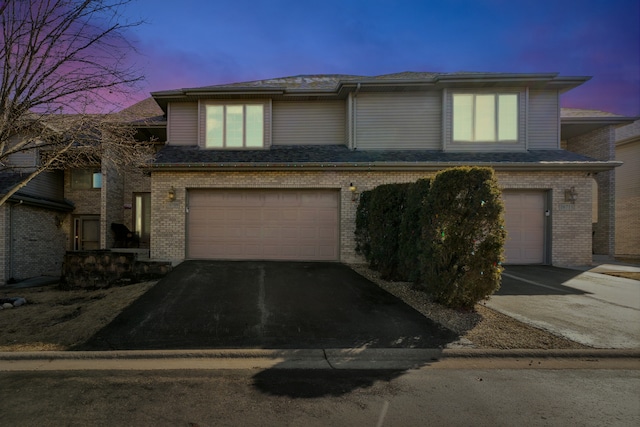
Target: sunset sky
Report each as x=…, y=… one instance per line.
x=192, y=43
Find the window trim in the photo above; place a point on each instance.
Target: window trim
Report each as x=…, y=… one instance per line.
x=225, y=106
x=449, y=144
x=475, y=114
x=91, y=176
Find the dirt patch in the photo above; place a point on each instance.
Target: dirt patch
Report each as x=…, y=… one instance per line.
x=626, y=274
x=54, y=319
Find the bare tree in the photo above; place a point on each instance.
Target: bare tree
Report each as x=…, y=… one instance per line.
x=62, y=62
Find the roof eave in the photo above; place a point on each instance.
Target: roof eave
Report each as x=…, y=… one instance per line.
x=591, y=166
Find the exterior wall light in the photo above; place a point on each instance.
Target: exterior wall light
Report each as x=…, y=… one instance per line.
x=171, y=194
x=570, y=195
x=353, y=189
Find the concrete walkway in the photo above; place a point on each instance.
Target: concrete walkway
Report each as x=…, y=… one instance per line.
x=589, y=307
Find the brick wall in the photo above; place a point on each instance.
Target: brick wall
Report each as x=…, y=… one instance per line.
x=134, y=182
x=570, y=227
x=111, y=204
x=34, y=242
x=600, y=144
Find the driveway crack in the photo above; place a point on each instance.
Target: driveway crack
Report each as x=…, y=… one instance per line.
x=324, y=352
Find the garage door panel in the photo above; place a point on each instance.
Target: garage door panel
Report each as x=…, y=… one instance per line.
x=525, y=225
x=263, y=224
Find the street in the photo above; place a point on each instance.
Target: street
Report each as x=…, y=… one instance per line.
x=463, y=392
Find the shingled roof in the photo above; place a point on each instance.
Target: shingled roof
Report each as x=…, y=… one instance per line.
x=339, y=156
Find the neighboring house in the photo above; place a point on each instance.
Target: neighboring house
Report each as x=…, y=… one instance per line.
x=628, y=191
x=72, y=209
x=272, y=169
x=32, y=240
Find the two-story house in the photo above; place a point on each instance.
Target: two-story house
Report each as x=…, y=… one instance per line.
x=272, y=169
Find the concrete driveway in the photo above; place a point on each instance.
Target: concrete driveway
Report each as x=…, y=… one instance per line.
x=219, y=304
x=594, y=309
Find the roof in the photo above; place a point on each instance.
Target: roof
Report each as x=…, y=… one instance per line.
x=576, y=122
x=339, y=85
x=146, y=111
x=8, y=180
x=330, y=157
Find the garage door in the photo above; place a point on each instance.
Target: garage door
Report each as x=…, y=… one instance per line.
x=524, y=221
x=263, y=224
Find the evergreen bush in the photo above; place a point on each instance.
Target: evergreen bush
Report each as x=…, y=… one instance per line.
x=463, y=237
x=410, y=239
x=385, y=215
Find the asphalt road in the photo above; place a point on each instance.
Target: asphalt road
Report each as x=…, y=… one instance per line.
x=265, y=397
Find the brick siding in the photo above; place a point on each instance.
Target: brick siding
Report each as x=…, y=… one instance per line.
x=35, y=242
x=600, y=144
x=570, y=228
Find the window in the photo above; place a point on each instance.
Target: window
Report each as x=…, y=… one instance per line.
x=485, y=117
x=235, y=126
x=85, y=179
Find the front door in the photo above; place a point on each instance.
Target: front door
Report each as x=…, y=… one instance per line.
x=86, y=232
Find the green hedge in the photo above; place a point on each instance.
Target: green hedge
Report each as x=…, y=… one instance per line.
x=463, y=232
x=386, y=208
x=446, y=233
x=410, y=239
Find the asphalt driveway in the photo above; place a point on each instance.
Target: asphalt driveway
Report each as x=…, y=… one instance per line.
x=224, y=304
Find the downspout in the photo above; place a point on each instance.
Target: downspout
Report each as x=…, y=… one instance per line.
x=355, y=114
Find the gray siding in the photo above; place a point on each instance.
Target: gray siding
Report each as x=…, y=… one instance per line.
x=398, y=121
x=267, y=118
x=544, y=111
x=309, y=123
x=49, y=185
x=182, y=126
x=21, y=160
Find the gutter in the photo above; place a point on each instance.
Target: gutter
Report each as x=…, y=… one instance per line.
x=597, y=166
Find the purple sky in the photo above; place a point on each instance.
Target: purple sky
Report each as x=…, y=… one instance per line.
x=192, y=43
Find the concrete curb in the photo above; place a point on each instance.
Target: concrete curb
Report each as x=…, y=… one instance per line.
x=371, y=359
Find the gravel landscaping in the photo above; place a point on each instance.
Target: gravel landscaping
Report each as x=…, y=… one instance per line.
x=483, y=328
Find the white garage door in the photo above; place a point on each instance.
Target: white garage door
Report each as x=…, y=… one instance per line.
x=524, y=218
x=263, y=224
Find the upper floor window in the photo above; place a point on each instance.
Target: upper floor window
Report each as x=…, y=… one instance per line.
x=85, y=179
x=484, y=117
x=235, y=126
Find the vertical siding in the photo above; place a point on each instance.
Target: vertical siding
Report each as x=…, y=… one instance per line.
x=544, y=116
x=309, y=123
x=398, y=121
x=182, y=126
x=203, y=118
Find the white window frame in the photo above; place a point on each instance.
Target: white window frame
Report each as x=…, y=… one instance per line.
x=224, y=133
x=474, y=117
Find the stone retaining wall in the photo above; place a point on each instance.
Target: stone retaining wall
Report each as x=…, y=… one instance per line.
x=105, y=268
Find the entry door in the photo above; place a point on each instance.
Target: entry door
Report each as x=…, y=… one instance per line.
x=86, y=232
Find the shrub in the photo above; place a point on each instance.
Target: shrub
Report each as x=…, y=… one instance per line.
x=463, y=237
x=410, y=240
x=363, y=240
x=385, y=215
